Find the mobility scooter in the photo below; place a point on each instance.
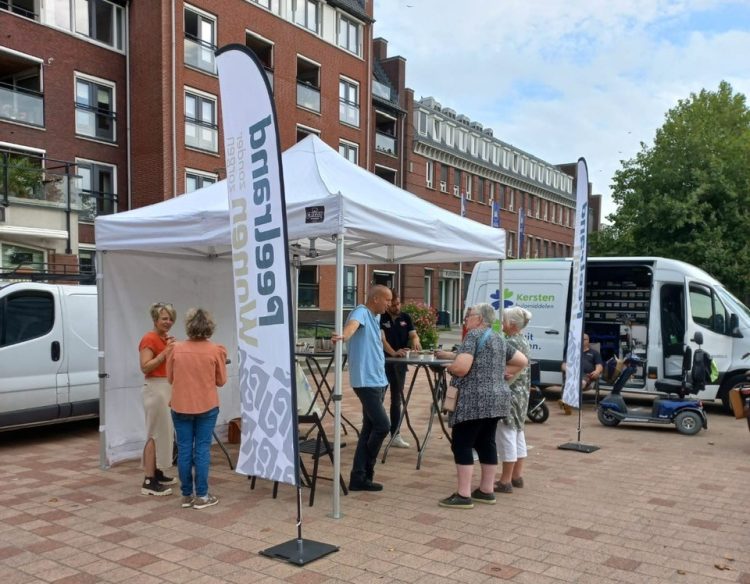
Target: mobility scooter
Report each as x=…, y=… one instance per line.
x=685, y=413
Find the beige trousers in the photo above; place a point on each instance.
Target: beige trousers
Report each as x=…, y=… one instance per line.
x=157, y=392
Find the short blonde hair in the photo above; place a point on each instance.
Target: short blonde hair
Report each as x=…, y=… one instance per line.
x=199, y=324
x=156, y=308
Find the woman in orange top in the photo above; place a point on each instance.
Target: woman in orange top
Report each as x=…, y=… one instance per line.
x=195, y=368
x=154, y=348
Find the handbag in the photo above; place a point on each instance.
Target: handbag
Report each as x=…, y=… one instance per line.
x=451, y=393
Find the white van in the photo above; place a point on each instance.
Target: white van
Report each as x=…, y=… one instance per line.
x=651, y=306
x=48, y=354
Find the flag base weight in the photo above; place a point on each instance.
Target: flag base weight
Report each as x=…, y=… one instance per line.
x=299, y=551
x=578, y=447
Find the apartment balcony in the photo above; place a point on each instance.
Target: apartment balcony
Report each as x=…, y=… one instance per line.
x=95, y=203
x=381, y=90
x=385, y=143
x=24, y=180
x=201, y=135
x=21, y=105
x=200, y=55
x=308, y=97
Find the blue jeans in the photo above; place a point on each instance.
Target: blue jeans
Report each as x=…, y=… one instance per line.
x=375, y=427
x=194, y=435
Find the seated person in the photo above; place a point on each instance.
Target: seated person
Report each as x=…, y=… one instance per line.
x=591, y=363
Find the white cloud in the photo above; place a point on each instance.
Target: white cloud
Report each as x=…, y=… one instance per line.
x=564, y=79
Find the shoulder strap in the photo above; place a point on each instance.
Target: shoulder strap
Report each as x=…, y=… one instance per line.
x=483, y=340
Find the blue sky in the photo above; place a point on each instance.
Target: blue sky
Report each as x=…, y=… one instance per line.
x=562, y=79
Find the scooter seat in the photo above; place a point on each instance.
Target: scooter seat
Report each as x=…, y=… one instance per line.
x=668, y=385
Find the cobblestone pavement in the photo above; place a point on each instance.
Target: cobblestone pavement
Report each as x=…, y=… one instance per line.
x=649, y=506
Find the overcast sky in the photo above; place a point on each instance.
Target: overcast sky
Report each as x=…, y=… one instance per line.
x=562, y=79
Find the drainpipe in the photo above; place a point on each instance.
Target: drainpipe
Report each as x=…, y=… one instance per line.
x=129, y=150
x=174, y=104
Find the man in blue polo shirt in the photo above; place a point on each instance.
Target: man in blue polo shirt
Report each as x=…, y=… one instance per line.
x=368, y=380
x=398, y=335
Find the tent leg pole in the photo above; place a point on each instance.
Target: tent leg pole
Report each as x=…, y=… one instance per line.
x=102, y=365
x=338, y=378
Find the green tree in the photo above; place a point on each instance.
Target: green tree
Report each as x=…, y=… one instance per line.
x=688, y=196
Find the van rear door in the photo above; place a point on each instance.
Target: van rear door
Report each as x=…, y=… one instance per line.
x=81, y=346
x=542, y=288
x=30, y=355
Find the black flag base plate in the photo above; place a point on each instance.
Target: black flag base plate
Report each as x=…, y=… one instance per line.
x=299, y=551
x=579, y=447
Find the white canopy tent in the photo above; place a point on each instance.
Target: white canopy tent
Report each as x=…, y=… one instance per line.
x=179, y=251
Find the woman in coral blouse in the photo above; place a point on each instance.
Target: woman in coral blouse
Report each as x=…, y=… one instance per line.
x=195, y=368
x=154, y=348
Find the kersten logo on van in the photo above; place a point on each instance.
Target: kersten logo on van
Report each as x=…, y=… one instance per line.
x=530, y=301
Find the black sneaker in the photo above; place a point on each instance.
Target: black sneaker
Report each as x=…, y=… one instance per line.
x=481, y=497
x=164, y=479
x=456, y=501
x=151, y=486
x=364, y=486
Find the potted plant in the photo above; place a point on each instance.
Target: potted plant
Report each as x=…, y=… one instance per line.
x=425, y=322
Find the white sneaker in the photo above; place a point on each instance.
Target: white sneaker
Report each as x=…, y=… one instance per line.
x=475, y=455
x=399, y=442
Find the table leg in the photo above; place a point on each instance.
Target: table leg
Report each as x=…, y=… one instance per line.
x=224, y=450
x=321, y=380
x=405, y=398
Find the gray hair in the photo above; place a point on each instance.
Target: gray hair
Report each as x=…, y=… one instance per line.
x=486, y=312
x=517, y=317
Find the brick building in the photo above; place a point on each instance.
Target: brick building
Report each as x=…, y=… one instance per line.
x=107, y=105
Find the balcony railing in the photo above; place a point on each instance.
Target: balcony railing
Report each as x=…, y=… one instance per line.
x=308, y=96
x=24, y=182
x=307, y=295
x=94, y=203
x=385, y=143
x=200, y=54
x=381, y=90
x=201, y=135
x=24, y=106
x=349, y=113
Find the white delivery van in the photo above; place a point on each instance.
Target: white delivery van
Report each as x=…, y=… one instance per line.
x=48, y=354
x=647, y=305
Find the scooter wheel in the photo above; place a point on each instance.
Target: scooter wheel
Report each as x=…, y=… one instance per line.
x=607, y=418
x=688, y=423
x=539, y=414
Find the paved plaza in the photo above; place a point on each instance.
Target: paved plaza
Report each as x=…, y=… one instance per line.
x=649, y=506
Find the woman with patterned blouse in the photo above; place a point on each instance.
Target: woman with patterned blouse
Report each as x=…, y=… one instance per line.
x=478, y=370
x=511, y=440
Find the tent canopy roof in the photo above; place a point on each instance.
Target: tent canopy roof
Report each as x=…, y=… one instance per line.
x=326, y=195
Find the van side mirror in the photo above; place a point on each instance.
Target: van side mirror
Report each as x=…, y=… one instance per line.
x=734, y=325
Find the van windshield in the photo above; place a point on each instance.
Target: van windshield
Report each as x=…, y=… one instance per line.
x=734, y=304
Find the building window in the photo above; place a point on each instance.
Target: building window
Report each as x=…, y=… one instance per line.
x=15, y=257
x=385, y=133
x=462, y=140
x=350, y=285
x=195, y=180
x=303, y=132
x=480, y=190
x=308, y=84
x=422, y=122
x=511, y=197
x=305, y=13
x=450, y=132
x=349, y=151
x=307, y=287
x=263, y=49
x=348, y=37
x=469, y=184
x=200, y=40
x=100, y=20
x=429, y=173
x=264, y=3
x=511, y=243
x=98, y=189
x=444, y=168
x=201, y=131
x=457, y=178
x=349, y=102
x=95, y=109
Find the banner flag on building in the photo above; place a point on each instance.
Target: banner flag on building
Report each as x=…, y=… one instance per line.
x=262, y=289
x=463, y=204
x=495, y=214
x=521, y=227
x=572, y=390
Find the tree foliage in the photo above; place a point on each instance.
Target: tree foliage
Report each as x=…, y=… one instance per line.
x=688, y=196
